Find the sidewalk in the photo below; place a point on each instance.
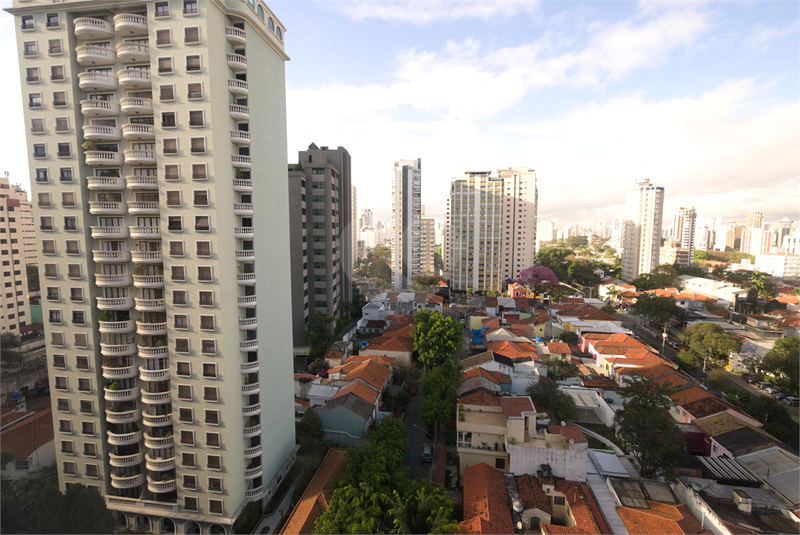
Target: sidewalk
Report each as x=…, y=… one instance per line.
x=270, y=522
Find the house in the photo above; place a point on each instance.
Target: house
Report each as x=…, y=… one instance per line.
x=397, y=343
x=481, y=378
x=559, y=350
x=615, y=352
x=486, y=507
x=541, y=323
x=30, y=439
x=315, y=499
x=563, y=448
x=731, y=436
x=651, y=508
x=536, y=507
x=349, y=413
x=575, y=507
x=516, y=351
x=779, y=469
x=522, y=372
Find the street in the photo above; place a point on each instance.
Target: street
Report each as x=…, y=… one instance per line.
x=416, y=438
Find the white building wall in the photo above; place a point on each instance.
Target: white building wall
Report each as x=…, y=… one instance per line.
x=568, y=463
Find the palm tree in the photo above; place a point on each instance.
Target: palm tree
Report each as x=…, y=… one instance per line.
x=614, y=294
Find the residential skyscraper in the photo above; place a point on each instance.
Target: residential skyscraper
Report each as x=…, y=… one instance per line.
x=754, y=219
x=15, y=310
x=427, y=246
x=520, y=206
x=641, y=236
x=733, y=235
x=684, y=229
x=24, y=221
x=164, y=247
x=406, y=220
x=365, y=220
x=321, y=241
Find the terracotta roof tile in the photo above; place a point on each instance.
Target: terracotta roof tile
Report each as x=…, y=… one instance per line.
x=568, y=432
x=688, y=395
x=552, y=529
x=584, y=507
x=517, y=351
x=305, y=376
x=359, y=389
x=27, y=435
x=479, y=397
x=706, y=407
x=661, y=518
x=314, y=500
x=514, y=406
x=719, y=424
x=380, y=359
x=371, y=372
x=533, y=497
x=485, y=497
x=493, y=376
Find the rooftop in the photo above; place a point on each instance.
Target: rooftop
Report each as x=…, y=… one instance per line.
x=486, y=507
x=316, y=497
x=27, y=435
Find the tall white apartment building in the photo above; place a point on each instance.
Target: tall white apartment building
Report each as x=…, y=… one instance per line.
x=24, y=220
x=406, y=220
x=157, y=145
x=641, y=234
x=365, y=220
x=427, y=244
x=15, y=221
x=684, y=232
x=520, y=206
x=475, y=230
x=754, y=219
x=545, y=232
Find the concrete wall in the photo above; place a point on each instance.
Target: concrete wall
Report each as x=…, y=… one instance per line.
x=567, y=463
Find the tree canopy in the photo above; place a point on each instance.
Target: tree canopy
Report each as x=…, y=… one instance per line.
x=775, y=417
x=660, y=309
x=558, y=368
x=648, y=431
x=781, y=362
x=439, y=388
x=707, y=340
x=318, y=335
x=653, y=281
x=545, y=393
x=541, y=278
x=582, y=272
x=556, y=259
x=436, y=337
x=9, y=349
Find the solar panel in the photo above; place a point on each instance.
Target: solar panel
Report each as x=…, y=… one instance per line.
x=659, y=492
x=631, y=494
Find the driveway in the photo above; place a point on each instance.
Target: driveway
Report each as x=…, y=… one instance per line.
x=416, y=438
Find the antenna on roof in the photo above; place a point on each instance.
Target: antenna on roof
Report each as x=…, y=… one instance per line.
x=563, y=423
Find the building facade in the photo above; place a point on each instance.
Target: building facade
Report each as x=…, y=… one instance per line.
x=641, y=235
x=520, y=206
x=321, y=237
x=15, y=225
x=406, y=221
x=754, y=219
x=169, y=248
x=427, y=245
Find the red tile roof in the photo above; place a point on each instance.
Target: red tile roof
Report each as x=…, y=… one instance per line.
x=516, y=351
x=314, y=501
x=304, y=376
x=27, y=435
x=359, y=389
x=394, y=339
x=497, y=378
x=371, y=372
x=513, y=407
x=380, y=359
x=584, y=507
x=568, y=432
x=479, y=397
x=661, y=518
x=706, y=407
x=486, y=507
x=558, y=347
x=533, y=497
x=689, y=395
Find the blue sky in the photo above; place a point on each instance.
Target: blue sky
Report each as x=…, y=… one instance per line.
x=702, y=98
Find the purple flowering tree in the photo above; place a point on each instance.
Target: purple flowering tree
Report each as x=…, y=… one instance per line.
x=319, y=368
x=540, y=278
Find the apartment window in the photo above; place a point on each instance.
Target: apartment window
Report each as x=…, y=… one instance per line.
x=84, y=385
x=82, y=362
x=194, y=91
x=86, y=408
x=203, y=249
x=212, y=440
x=209, y=370
x=215, y=484
x=62, y=405
x=173, y=198
x=162, y=9
x=54, y=47
x=214, y=462
x=208, y=347
x=185, y=392
x=210, y=393
x=193, y=64
x=39, y=150
x=215, y=507
x=91, y=471
x=188, y=460
x=27, y=22
x=187, y=438
x=170, y=145
x=70, y=223
x=175, y=224
x=59, y=98
x=168, y=120
x=204, y=274
x=198, y=145
x=181, y=345
x=200, y=197
x=164, y=65
x=183, y=369
x=196, y=118
x=46, y=223
x=50, y=271
x=51, y=20
x=179, y=297
x=57, y=73
x=62, y=125
x=74, y=271
x=190, y=503
x=67, y=447
x=191, y=35
x=72, y=247
x=57, y=339
x=61, y=383
x=63, y=150
x=29, y=49
x=189, y=482
x=54, y=316
x=178, y=273
x=166, y=93
x=78, y=317
x=89, y=449
x=199, y=171
x=68, y=199
x=186, y=415
x=190, y=7
x=37, y=125
x=35, y=100
x=65, y=174
x=81, y=340
x=64, y=426
x=42, y=175
x=69, y=468
x=206, y=299
x=163, y=37
x=202, y=223
x=53, y=293
x=48, y=247
x=558, y=500
x=60, y=362
x=32, y=75
x=172, y=172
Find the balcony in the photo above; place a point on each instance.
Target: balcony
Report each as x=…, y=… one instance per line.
x=235, y=35
x=101, y=133
x=161, y=486
x=243, y=232
x=240, y=113
x=121, y=461
x=241, y=162
x=246, y=279
x=153, y=375
x=124, y=439
x=148, y=281
x=99, y=108
x=114, y=303
x=242, y=185
x=95, y=56
x=241, y=208
x=246, y=255
x=145, y=233
x=159, y=464
x=141, y=182
x=240, y=137
x=136, y=106
x=143, y=207
x=109, y=233
x=117, y=350
x=95, y=81
x=154, y=443
x=252, y=473
x=129, y=53
x=250, y=453
x=114, y=374
x=151, y=329
x=108, y=183
x=255, y=493
x=116, y=327
x=91, y=29
x=106, y=208
x=130, y=79
x=150, y=305
x=126, y=482
x=124, y=417
x=153, y=420
x=251, y=410
x=238, y=87
x=247, y=301
x=155, y=398
x=153, y=352
x=111, y=281
x=237, y=62
x=138, y=132
x=130, y=25
x=102, y=158
x=111, y=257
x=250, y=367
x=252, y=388
x=146, y=257
x=129, y=394
x=248, y=345
x=250, y=432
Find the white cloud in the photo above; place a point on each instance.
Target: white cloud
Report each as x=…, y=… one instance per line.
x=424, y=12
x=763, y=36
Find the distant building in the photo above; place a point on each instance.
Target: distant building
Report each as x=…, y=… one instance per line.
x=754, y=219
x=427, y=244
x=520, y=208
x=642, y=231
x=406, y=221
x=780, y=265
x=16, y=233
x=684, y=228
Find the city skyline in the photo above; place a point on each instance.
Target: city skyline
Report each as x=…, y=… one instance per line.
x=698, y=98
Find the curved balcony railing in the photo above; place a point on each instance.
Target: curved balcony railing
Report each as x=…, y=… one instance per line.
x=127, y=394
x=250, y=367
x=124, y=438
x=121, y=461
x=116, y=327
x=101, y=133
x=124, y=417
x=109, y=233
x=238, y=87
x=250, y=432
x=138, y=132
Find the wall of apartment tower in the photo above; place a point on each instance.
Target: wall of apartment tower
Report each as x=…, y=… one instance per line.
x=406, y=220
x=520, y=206
x=169, y=227
x=642, y=229
x=16, y=227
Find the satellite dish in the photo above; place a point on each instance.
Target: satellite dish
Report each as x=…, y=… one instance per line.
x=517, y=505
x=571, y=441
x=563, y=423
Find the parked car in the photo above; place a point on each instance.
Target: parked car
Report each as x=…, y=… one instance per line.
x=764, y=384
x=779, y=395
x=792, y=400
x=770, y=390
x=427, y=453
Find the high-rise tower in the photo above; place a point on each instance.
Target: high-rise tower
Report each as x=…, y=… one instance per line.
x=157, y=145
x=641, y=235
x=520, y=205
x=406, y=220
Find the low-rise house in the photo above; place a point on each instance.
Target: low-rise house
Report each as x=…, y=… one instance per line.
x=731, y=436
x=397, y=343
x=563, y=449
x=486, y=507
x=651, y=508
x=481, y=378
x=779, y=469
x=523, y=372
x=30, y=440
x=348, y=415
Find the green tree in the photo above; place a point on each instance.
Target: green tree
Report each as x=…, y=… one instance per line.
x=309, y=431
x=425, y=508
x=380, y=270
x=32, y=273
x=573, y=242
x=439, y=388
x=5, y=458
x=318, y=335
x=782, y=362
x=688, y=358
x=424, y=283
x=660, y=309
x=438, y=263
x=608, y=309
x=762, y=283
x=558, y=368
x=569, y=337
x=381, y=252
x=653, y=281
x=775, y=417
x=555, y=258
x=582, y=272
x=707, y=340
x=648, y=431
x=700, y=256
x=436, y=337
x=9, y=349
x=545, y=393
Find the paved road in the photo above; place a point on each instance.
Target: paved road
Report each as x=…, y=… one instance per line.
x=416, y=438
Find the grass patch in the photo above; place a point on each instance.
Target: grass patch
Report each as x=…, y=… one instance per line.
x=596, y=444
x=605, y=432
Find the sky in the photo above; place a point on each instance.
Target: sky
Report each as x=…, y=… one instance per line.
x=699, y=97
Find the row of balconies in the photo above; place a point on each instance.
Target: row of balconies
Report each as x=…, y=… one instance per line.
x=121, y=280
x=125, y=25
x=101, y=158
